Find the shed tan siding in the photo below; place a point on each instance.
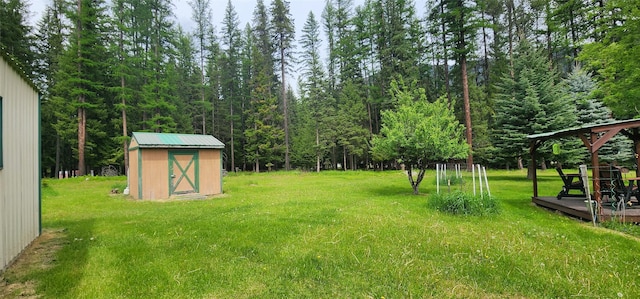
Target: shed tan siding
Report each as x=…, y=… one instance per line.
x=210, y=171
x=133, y=173
x=155, y=173
x=19, y=177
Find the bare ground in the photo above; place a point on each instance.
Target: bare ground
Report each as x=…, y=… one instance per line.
x=38, y=256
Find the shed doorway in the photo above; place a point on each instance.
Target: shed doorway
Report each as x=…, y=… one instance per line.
x=183, y=172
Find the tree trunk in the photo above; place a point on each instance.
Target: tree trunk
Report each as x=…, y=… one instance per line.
x=82, y=125
x=233, y=158
x=344, y=158
x=467, y=110
x=57, y=171
x=287, y=164
x=318, y=150
x=520, y=165
x=510, y=17
x=125, y=133
x=486, y=53
x=415, y=184
x=445, y=57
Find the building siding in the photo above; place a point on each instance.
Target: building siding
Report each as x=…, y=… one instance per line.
x=20, y=175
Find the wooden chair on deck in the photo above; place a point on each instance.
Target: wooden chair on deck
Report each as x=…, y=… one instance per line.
x=570, y=183
x=612, y=185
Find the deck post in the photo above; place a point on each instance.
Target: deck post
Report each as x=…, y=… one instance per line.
x=636, y=144
x=532, y=153
x=596, y=172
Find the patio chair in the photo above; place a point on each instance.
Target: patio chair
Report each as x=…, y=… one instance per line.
x=571, y=182
x=612, y=185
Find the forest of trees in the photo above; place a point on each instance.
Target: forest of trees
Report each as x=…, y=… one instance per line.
x=508, y=68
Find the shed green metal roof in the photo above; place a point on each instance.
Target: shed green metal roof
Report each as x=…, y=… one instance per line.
x=170, y=140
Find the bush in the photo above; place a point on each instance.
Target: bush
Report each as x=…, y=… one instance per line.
x=460, y=203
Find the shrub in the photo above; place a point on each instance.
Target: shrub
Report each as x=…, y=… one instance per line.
x=460, y=203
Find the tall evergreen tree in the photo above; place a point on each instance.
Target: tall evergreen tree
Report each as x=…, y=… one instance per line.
x=313, y=85
x=283, y=36
x=49, y=49
x=581, y=90
x=263, y=133
x=81, y=77
x=201, y=15
x=352, y=134
x=529, y=103
x=614, y=58
x=158, y=101
x=15, y=32
x=231, y=42
x=459, y=17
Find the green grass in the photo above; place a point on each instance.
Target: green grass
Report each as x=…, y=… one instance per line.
x=328, y=235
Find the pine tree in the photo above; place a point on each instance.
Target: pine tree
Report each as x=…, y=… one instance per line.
x=81, y=79
x=351, y=118
x=201, y=16
x=230, y=77
x=264, y=137
x=581, y=90
x=158, y=101
x=529, y=103
x=49, y=49
x=283, y=37
x=613, y=59
x=15, y=33
x=313, y=85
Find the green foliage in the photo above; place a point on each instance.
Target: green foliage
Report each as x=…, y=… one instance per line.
x=613, y=58
x=582, y=91
x=16, y=37
x=529, y=103
x=462, y=203
x=418, y=132
x=264, y=136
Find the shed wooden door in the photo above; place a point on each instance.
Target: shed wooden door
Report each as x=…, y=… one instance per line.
x=183, y=172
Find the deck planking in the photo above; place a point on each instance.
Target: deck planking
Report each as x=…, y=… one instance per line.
x=576, y=207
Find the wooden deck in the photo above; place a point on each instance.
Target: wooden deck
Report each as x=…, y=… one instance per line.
x=576, y=207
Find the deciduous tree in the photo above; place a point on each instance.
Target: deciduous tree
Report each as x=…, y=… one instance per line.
x=418, y=132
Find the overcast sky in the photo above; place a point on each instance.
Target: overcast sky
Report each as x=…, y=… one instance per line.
x=299, y=10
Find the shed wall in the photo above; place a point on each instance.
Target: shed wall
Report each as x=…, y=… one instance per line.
x=133, y=173
x=155, y=173
x=19, y=177
x=210, y=172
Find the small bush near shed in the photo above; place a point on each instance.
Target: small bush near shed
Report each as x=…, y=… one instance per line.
x=461, y=203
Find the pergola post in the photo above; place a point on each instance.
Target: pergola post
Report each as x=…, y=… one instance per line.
x=532, y=152
x=595, y=169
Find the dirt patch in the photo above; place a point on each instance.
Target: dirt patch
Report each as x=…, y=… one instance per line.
x=38, y=256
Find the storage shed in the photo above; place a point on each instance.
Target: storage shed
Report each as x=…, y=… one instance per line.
x=19, y=161
x=163, y=165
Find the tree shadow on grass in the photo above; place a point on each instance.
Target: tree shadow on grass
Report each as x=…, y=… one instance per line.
x=70, y=260
x=388, y=191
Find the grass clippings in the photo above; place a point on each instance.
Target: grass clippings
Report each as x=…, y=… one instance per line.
x=38, y=256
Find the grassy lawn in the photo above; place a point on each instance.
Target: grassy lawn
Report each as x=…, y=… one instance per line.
x=328, y=235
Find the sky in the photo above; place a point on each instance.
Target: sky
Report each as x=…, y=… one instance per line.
x=244, y=8
x=299, y=10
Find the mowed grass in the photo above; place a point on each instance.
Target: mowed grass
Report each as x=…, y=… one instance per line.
x=327, y=235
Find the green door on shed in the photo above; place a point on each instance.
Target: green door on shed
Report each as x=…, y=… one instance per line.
x=183, y=172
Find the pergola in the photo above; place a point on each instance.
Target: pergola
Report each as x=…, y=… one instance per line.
x=593, y=137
